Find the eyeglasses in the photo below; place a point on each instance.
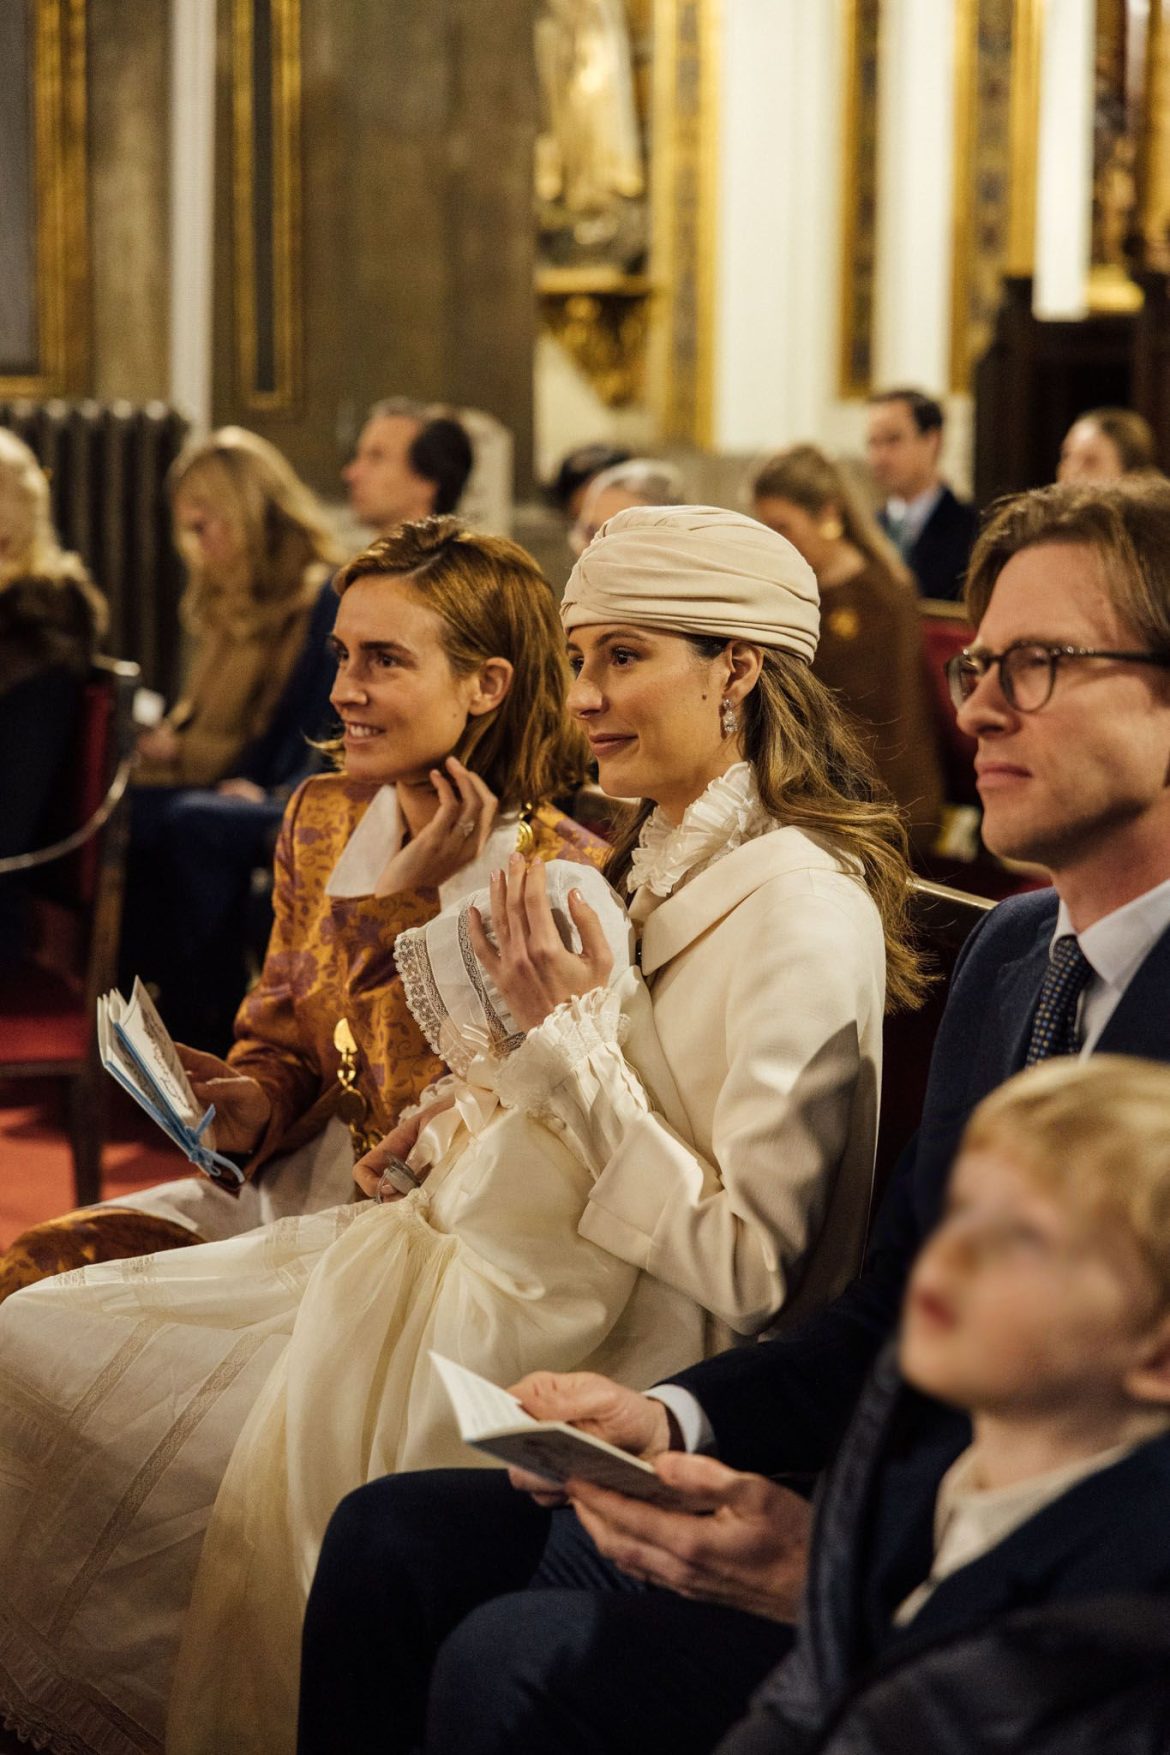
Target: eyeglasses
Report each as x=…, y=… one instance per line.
x=1027, y=670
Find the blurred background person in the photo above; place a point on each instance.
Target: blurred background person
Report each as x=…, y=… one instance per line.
x=52, y=618
x=214, y=776
x=932, y=529
x=1104, y=444
x=637, y=481
x=409, y=463
x=870, y=652
x=575, y=471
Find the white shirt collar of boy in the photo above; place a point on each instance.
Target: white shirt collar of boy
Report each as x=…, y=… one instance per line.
x=911, y=517
x=969, y=1520
x=380, y=834
x=1116, y=946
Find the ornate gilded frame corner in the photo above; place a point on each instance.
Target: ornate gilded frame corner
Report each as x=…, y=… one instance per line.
x=272, y=187
x=684, y=178
x=862, y=26
x=985, y=170
x=60, y=204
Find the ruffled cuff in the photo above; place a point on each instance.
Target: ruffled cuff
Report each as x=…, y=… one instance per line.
x=447, y=1086
x=570, y=1073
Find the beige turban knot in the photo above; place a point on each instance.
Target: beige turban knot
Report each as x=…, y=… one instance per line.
x=696, y=570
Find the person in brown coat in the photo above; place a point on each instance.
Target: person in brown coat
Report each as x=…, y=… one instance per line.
x=871, y=646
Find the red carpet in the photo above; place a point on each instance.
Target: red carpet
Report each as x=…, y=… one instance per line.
x=36, y=1165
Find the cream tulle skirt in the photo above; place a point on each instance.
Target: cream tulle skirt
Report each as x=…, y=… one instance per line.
x=176, y=1431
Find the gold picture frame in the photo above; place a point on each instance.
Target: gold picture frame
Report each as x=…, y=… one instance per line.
x=59, y=210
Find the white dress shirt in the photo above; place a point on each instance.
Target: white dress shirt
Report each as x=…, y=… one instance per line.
x=910, y=517
x=969, y=1520
x=1116, y=946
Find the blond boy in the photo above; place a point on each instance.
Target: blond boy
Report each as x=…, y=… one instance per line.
x=991, y=1559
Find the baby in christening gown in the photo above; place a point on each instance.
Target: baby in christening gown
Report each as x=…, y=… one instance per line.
x=201, y=1412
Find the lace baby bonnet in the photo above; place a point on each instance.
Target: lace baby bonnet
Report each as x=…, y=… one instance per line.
x=451, y=996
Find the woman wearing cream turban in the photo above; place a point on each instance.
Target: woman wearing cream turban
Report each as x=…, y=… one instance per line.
x=628, y=1164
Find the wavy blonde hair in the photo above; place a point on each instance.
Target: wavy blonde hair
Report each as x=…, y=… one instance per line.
x=287, y=541
x=29, y=547
x=494, y=602
x=813, y=773
x=28, y=542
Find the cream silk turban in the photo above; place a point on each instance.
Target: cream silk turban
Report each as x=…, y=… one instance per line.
x=696, y=570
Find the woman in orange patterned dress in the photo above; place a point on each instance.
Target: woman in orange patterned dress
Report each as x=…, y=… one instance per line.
x=450, y=688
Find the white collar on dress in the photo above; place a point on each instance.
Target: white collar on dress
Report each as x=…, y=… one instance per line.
x=721, y=819
x=380, y=833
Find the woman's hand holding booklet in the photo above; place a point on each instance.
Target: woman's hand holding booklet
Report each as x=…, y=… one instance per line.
x=136, y=1049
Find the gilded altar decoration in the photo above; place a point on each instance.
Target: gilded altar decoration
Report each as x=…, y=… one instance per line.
x=592, y=188
x=590, y=170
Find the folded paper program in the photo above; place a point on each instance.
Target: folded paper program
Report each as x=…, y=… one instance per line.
x=137, y=1050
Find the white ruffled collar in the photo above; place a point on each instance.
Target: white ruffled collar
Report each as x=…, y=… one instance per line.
x=721, y=819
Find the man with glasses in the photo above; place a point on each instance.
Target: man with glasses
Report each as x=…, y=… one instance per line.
x=533, y=1624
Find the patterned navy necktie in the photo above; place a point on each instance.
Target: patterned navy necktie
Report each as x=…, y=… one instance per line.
x=1054, y=1028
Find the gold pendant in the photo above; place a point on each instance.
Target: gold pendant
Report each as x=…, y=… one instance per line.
x=525, y=833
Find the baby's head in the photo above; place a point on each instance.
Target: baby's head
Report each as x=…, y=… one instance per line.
x=1046, y=1287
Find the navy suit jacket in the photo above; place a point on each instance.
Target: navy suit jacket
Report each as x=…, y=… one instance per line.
x=781, y=1407
x=963, y=1674
x=939, y=558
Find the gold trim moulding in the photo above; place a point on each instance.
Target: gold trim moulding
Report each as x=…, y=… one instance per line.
x=600, y=281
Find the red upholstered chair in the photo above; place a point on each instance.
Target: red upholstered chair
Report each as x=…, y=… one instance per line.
x=47, y=1004
x=945, y=631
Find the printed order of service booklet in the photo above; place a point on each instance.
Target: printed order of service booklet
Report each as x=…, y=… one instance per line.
x=136, y=1049
x=491, y=1420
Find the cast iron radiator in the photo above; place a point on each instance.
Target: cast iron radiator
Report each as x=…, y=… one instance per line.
x=107, y=464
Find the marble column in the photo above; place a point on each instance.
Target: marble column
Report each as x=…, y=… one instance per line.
x=916, y=130
x=1064, y=185
x=778, y=221
x=193, y=49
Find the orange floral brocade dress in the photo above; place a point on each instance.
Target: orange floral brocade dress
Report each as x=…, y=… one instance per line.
x=328, y=958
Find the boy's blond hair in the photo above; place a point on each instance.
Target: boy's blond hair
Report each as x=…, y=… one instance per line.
x=1096, y=1131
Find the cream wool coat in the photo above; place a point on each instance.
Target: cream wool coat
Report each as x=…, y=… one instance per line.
x=766, y=971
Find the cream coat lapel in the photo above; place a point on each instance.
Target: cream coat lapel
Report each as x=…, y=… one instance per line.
x=691, y=910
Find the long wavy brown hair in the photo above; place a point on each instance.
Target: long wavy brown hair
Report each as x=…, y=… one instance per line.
x=494, y=602
x=814, y=774
x=808, y=477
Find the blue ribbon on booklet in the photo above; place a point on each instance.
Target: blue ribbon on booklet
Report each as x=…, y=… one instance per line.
x=136, y=1049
